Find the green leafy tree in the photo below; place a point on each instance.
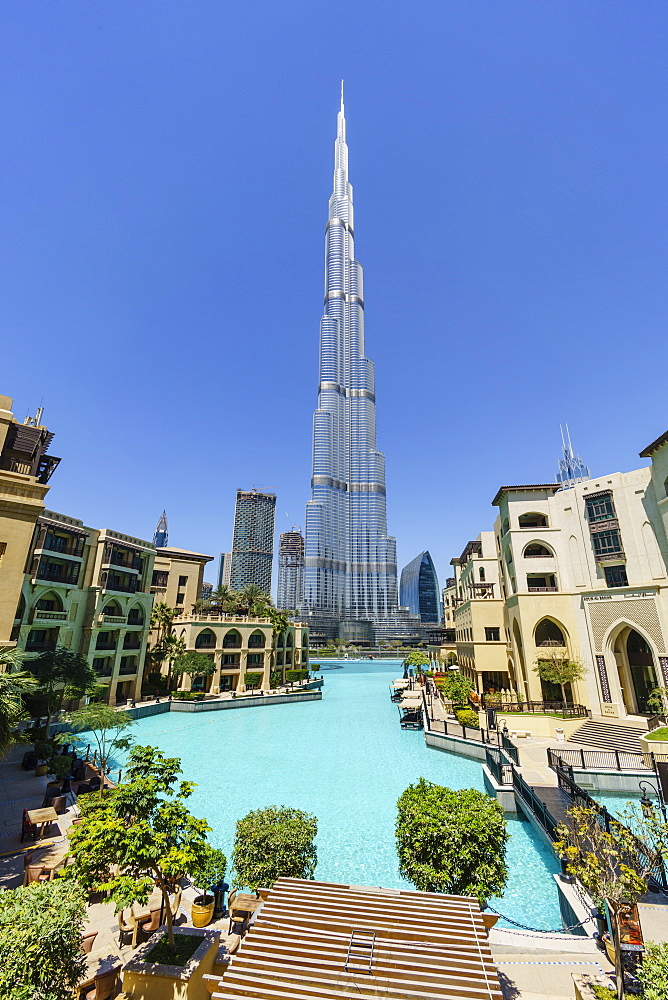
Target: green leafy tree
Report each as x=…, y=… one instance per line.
x=418, y=660
x=140, y=834
x=653, y=971
x=14, y=686
x=658, y=701
x=615, y=864
x=107, y=726
x=61, y=673
x=456, y=688
x=195, y=665
x=451, y=841
x=210, y=871
x=554, y=668
x=40, y=934
x=272, y=843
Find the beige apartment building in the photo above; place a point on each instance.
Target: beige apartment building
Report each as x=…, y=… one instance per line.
x=178, y=576
x=239, y=645
x=477, y=610
x=581, y=572
x=88, y=590
x=25, y=469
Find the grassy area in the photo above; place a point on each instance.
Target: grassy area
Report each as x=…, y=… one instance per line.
x=162, y=954
x=657, y=734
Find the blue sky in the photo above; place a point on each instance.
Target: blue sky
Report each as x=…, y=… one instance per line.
x=166, y=172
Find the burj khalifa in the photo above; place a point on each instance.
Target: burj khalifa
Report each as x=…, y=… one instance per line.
x=350, y=563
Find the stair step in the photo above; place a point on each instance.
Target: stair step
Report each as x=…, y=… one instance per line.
x=607, y=736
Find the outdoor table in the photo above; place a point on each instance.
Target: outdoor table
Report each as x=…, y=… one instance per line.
x=53, y=858
x=141, y=912
x=42, y=818
x=245, y=903
x=98, y=966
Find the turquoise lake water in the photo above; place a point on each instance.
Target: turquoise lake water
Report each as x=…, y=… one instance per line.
x=346, y=760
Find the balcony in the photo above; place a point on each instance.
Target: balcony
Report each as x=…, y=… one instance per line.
x=119, y=586
x=105, y=644
x=127, y=670
x=132, y=642
x=52, y=616
x=131, y=563
x=543, y=590
x=42, y=646
x=615, y=556
x=104, y=671
x=67, y=546
x=112, y=619
x=69, y=578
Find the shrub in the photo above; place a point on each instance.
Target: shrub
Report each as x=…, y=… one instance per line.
x=154, y=682
x=456, y=688
x=210, y=870
x=252, y=680
x=451, y=841
x=273, y=843
x=467, y=717
x=296, y=675
x=653, y=971
x=275, y=678
x=40, y=933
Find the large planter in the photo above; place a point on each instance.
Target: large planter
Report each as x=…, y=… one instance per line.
x=583, y=985
x=657, y=747
x=41, y=770
x=172, y=982
x=202, y=910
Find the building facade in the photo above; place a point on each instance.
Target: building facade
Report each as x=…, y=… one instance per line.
x=239, y=646
x=419, y=588
x=477, y=610
x=25, y=470
x=350, y=566
x=87, y=589
x=290, y=568
x=224, y=569
x=178, y=577
x=253, y=540
x=578, y=573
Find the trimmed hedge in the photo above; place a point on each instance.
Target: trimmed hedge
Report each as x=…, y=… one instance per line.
x=296, y=675
x=275, y=678
x=252, y=679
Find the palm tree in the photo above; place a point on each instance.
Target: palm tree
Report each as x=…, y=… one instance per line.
x=252, y=594
x=224, y=597
x=14, y=683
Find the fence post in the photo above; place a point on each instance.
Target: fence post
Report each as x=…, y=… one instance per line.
x=582, y=758
x=619, y=766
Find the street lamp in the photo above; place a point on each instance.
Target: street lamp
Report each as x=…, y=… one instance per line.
x=646, y=803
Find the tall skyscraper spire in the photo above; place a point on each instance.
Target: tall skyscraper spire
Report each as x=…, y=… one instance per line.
x=350, y=566
x=572, y=469
x=161, y=537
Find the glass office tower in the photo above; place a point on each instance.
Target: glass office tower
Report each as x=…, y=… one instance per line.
x=419, y=588
x=253, y=540
x=350, y=566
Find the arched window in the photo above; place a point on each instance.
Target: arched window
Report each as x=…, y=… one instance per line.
x=112, y=609
x=206, y=639
x=532, y=521
x=256, y=640
x=232, y=639
x=548, y=633
x=289, y=640
x=665, y=486
x=50, y=601
x=536, y=550
x=136, y=616
x=482, y=574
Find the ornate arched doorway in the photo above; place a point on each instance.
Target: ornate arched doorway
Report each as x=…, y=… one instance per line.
x=637, y=670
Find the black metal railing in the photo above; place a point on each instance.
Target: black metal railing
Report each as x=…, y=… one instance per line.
x=40, y=647
x=538, y=809
x=69, y=546
x=499, y=765
x=541, y=707
x=580, y=797
x=69, y=579
x=591, y=760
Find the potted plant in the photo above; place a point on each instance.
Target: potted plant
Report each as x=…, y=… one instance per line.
x=43, y=752
x=209, y=875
